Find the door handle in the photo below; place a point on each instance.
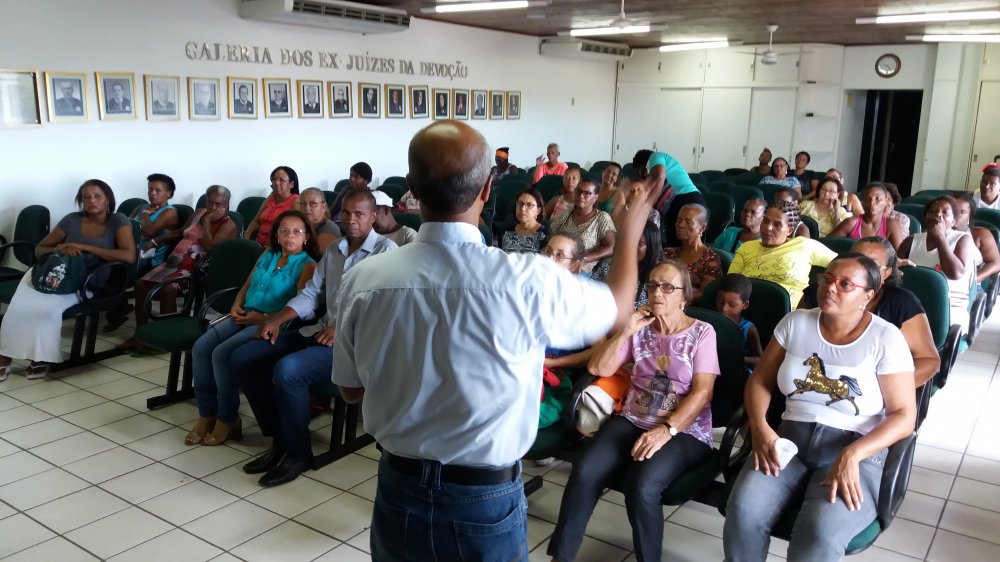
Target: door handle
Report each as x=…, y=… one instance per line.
x=703, y=150
x=975, y=158
x=694, y=151
x=744, y=151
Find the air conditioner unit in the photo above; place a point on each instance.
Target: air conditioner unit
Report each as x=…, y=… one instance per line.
x=585, y=49
x=328, y=14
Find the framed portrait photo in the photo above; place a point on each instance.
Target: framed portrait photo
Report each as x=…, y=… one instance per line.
x=395, y=101
x=163, y=97
x=368, y=102
x=242, y=97
x=19, y=98
x=418, y=102
x=497, y=103
x=278, y=92
x=442, y=103
x=66, y=94
x=479, y=104
x=461, y=100
x=116, y=95
x=204, y=103
x=311, y=104
x=340, y=99
x=513, y=105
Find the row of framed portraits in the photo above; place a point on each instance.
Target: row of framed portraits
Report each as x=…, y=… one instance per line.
x=243, y=98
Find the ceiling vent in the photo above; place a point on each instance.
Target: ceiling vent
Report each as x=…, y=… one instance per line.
x=584, y=49
x=328, y=14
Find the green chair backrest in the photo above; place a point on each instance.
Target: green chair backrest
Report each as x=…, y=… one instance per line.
x=722, y=185
x=408, y=219
x=394, y=190
x=598, y=167
x=838, y=244
x=238, y=221
x=812, y=225
x=249, y=207
x=127, y=206
x=768, y=190
x=741, y=194
x=769, y=303
x=727, y=396
x=628, y=171
x=184, y=214
x=748, y=178
x=230, y=265
x=341, y=185
x=32, y=226
x=931, y=289
x=725, y=257
x=505, y=198
x=201, y=202
x=721, y=211
x=916, y=225
x=991, y=216
x=697, y=178
x=398, y=180
x=735, y=171
x=912, y=209
x=549, y=186
x=713, y=175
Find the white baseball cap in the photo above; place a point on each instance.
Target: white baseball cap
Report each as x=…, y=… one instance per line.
x=382, y=199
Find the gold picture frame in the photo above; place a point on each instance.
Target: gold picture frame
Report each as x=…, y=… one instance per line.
x=163, y=97
x=19, y=105
x=498, y=103
x=513, y=105
x=419, y=102
x=395, y=107
x=368, y=102
x=460, y=104
x=480, y=104
x=441, y=108
x=62, y=109
x=340, y=107
x=274, y=93
x=116, y=96
x=240, y=106
x=311, y=109
x=204, y=99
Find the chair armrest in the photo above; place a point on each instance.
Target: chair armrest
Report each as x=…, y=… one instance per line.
x=114, y=284
x=977, y=313
x=895, y=478
x=207, y=305
x=924, y=392
x=185, y=310
x=15, y=244
x=730, y=460
x=569, y=412
x=949, y=354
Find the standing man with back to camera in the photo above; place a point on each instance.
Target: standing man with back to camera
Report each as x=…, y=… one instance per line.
x=465, y=385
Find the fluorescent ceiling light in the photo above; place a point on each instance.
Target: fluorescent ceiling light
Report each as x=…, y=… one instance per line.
x=693, y=46
x=957, y=38
x=933, y=17
x=479, y=6
x=592, y=31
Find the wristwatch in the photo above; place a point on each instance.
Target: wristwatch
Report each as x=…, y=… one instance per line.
x=671, y=429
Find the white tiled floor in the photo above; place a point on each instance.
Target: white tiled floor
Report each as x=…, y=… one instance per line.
x=86, y=473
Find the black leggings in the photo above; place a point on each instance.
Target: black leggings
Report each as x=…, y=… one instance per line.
x=669, y=221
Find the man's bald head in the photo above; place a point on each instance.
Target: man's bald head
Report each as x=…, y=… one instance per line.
x=449, y=166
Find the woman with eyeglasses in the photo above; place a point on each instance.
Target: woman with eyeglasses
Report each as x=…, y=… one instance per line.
x=593, y=225
x=284, y=197
x=848, y=381
x=529, y=232
x=779, y=176
x=665, y=425
x=281, y=271
x=313, y=204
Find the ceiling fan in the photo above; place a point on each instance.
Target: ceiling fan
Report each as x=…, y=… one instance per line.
x=770, y=56
x=620, y=24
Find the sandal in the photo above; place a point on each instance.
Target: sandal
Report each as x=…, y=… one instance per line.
x=37, y=371
x=5, y=371
x=117, y=317
x=224, y=431
x=201, y=429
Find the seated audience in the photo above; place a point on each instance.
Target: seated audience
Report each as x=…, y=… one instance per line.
x=807, y=178
x=779, y=257
x=282, y=270
x=593, y=225
x=734, y=236
x=763, y=166
x=503, y=168
x=826, y=209
x=622, y=196
x=703, y=264
x=552, y=167
x=790, y=195
x=409, y=204
x=385, y=221
x=276, y=371
x=779, y=176
x=359, y=177
x=207, y=228
x=841, y=430
x=284, y=197
x=665, y=426
x=982, y=237
x=988, y=196
x=848, y=200
x=312, y=201
x=895, y=198
x=732, y=298
x=681, y=190
x=894, y=304
x=950, y=251
x=648, y=254
x=607, y=195
x=564, y=201
x=32, y=325
x=567, y=250
x=529, y=232
x=877, y=204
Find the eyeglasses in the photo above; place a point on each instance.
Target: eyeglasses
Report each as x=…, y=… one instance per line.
x=315, y=204
x=843, y=285
x=291, y=232
x=526, y=205
x=665, y=288
x=556, y=256
x=584, y=194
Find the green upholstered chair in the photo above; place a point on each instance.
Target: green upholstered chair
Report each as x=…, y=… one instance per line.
x=748, y=178
x=127, y=206
x=238, y=221
x=768, y=190
x=408, y=219
x=231, y=263
x=31, y=227
x=721, y=185
x=201, y=202
x=741, y=194
x=628, y=170
x=713, y=175
x=342, y=184
x=931, y=289
x=812, y=225
x=734, y=172
x=598, y=167
x=330, y=197
x=916, y=224
x=697, y=178
x=721, y=211
x=912, y=209
x=837, y=243
x=571, y=165
x=726, y=257
x=769, y=303
x=249, y=207
x=394, y=190
x=395, y=180
x=549, y=186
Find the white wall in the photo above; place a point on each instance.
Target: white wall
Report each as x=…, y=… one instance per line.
x=565, y=101
x=953, y=99
x=852, y=123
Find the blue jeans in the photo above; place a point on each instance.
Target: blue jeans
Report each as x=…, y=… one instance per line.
x=276, y=380
x=822, y=529
x=422, y=518
x=607, y=457
x=215, y=386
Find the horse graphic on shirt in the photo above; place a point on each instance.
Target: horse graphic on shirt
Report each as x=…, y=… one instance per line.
x=843, y=388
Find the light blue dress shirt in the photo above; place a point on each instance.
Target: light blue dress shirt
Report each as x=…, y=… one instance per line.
x=448, y=335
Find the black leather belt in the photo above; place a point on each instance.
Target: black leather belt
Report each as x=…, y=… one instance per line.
x=454, y=474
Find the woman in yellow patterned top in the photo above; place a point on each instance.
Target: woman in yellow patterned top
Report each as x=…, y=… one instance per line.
x=777, y=256
x=826, y=209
